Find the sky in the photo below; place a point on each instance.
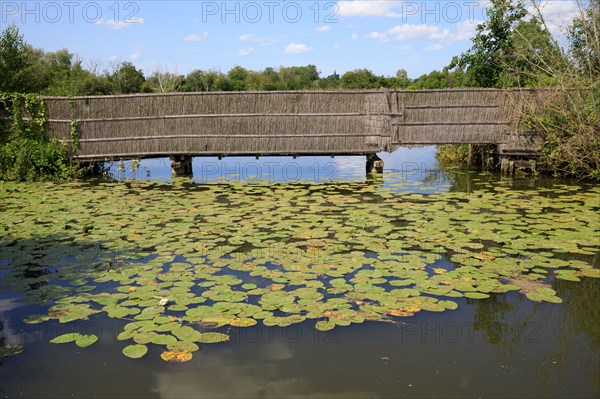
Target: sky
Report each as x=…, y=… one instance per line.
x=180, y=36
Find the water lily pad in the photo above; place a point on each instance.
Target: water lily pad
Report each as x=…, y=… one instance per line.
x=86, y=340
x=163, y=339
x=66, y=338
x=183, y=346
x=243, y=322
x=176, y=356
x=135, y=351
x=476, y=295
x=324, y=325
x=213, y=337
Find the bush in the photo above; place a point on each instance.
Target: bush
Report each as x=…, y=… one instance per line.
x=25, y=151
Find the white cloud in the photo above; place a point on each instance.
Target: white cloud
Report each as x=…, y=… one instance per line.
x=323, y=28
x=118, y=25
x=196, y=38
x=434, y=47
x=113, y=58
x=297, y=48
x=379, y=36
x=246, y=51
x=248, y=37
x=412, y=31
x=557, y=14
x=464, y=31
x=367, y=8
x=354, y=36
x=135, y=55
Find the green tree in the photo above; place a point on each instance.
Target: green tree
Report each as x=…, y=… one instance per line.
x=237, y=78
x=584, y=40
x=298, y=78
x=493, y=45
x=163, y=82
x=272, y=80
x=330, y=82
x=400, y=81
x=14, y=62
x=360, y=79
x=534, y=59
x=126, y=79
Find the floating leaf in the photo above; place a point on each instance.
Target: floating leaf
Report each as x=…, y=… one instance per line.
x=86, y=340
x=163, y=339
x=66, y=338
x=243, y=322
x=213, y=337
x=183, y=346
x=476, y=295
x=324, y=326
x=135, y=351
x=176, y=356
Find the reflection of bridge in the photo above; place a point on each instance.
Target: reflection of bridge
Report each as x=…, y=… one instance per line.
x=182, y=125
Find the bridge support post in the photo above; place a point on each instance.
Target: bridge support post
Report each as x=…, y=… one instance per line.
x=510, y=166
x=374, y=163
x=181, y=165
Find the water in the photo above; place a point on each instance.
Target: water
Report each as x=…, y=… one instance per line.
x=68, y=241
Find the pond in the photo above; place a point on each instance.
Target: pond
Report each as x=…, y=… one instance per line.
x=311, y=281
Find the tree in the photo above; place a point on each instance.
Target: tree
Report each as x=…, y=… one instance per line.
x=493, y=45
x=162, y=82
x=439, y=80
x=298, y=78
x=360, y=79
x=237, y=78
x=14, y=61
x=584, y=40
x=126, y=79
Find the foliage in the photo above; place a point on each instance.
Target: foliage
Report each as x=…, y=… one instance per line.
x=74, y=134
x=569, y=117
x=360, y=79
x=162, y=82
x=439, y=80
x=126, y=79
x=14, y=61
x=25, y=152
x=493, y=45
x=584, y=38
x=465, y=155
x=570, y=122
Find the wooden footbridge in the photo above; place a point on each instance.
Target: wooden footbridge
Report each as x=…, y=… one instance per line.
x=183, y=125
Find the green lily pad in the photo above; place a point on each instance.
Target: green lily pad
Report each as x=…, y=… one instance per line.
x=135, y=351
x=86, y=340
x=324, y=325
x=183, y=346
x=213, y=338
x=476, y=295
x=66, y=338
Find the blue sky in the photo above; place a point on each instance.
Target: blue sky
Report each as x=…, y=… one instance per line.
x=180, y=36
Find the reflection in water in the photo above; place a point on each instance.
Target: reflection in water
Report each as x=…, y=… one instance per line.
x=222, y=375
